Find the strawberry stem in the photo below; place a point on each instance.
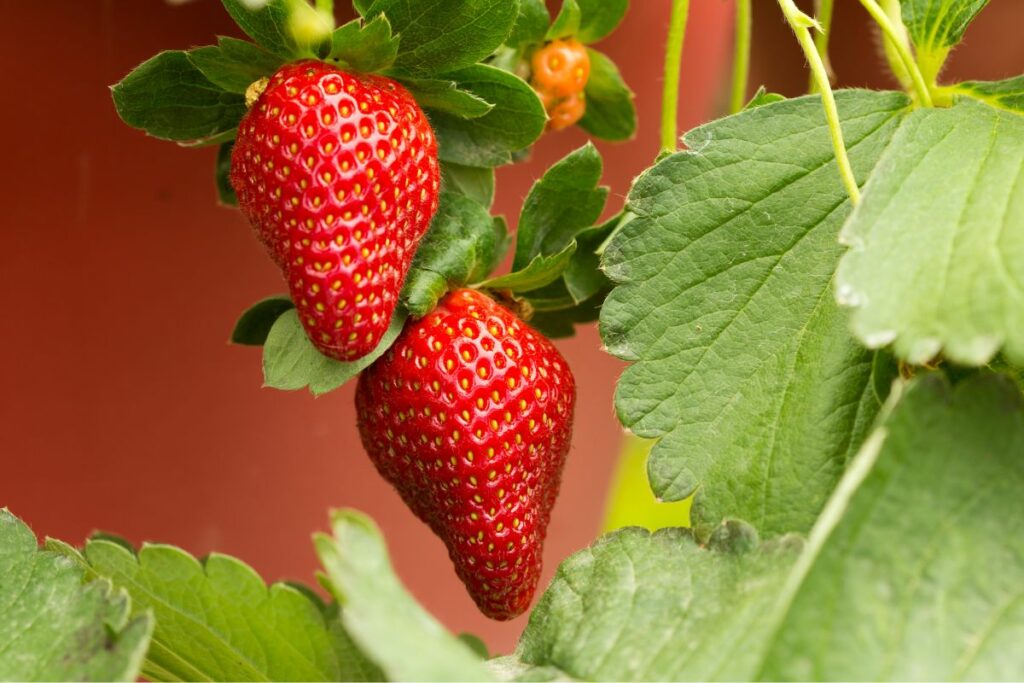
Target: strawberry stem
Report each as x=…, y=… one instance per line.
x=741, y=56
x=673, y=64
x=823, y=13
x=898, y=41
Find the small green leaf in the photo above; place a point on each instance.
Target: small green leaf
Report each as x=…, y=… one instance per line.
x=225, y=192
x=584, y=277
x=460, y=248
x=531, y=24
x=54, y=628
x=444, y=35
x=598, y=18
x=563, y=203
x=562, y=321
x=939, y=24
x=541, y=271
x=515, y=123
x=268, y=25
x=253, y=328
x=936, y=263
x=475, y=183
x=233, y=64
x=743, y=365
x=610, y=113
x=763, y=97
x=1007, y=94
x=362, y=6
x=384, y=620
x=567, y=23
x=169, y=98
x=445, y=96
x=290, y=361
x=365, y=46
x=637, y=606
x=216, y=620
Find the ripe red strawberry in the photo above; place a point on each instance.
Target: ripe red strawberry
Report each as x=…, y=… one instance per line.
x=338, y=174
x=469, y=416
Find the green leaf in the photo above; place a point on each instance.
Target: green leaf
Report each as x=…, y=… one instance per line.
x=763, y=97
x=233, y=64
x=365, y=46
x=169, y=98
x=541, y=271
x=217, y=621
x=253, y=328
x=610, y=112
x=222, y=172
x=914, y=570
x=743, y=366
x=445, y=96
x=515, y=123
x=938, y=24
x=567, y=23
x=584, y=277
x=563, y=203
x=291, y=362
x=637, y=606
x=444, y=35
x=362, y=6
x=561, y=320
x=475, y=183
x=531, y=24
x=268, y=25
x=631, y=502
x=54, y=628
x=460, y=248
x=384, y=620
x=1007, y=94
x=936, y=263
x=598, y=18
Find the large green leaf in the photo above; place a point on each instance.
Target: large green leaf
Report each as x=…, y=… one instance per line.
x=169, y=97
x=290, y=361
x=217, y=620
x=385, y=621
x=531, y=24
x=515, y=122
x=936, y=263
x=742, y=362
x=939, y=24
x=913, y=571
x=54, y=628
x=267, y=25
x=610, y=113
x=637, y=606
x=460, y=248
x=444, y=35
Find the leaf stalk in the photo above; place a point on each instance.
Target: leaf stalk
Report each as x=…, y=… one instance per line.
x=741, y=56
x=673, y=65
x=898, y=41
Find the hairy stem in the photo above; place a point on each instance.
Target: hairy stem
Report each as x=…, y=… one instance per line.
x=898, y=41
x=823, y=13
x=673, y=64
x=801, y=25
x=741, y=56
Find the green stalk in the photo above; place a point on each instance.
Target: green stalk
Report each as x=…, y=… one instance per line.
x=801, y=25
x=823, y=13
x=899, y=42
x=325, y=7
x=741, y=56
x=673, y=64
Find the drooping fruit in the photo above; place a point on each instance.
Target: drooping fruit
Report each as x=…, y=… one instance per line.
x=338, y=174
x=469, y=416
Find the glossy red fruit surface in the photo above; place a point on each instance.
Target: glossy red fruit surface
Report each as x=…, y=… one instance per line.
x=338, y=175
x=469, y=416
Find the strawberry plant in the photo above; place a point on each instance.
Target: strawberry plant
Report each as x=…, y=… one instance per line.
x=820, y=301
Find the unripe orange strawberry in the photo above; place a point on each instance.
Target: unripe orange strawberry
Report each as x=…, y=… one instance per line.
x=561, y=68
x=567, y=112
x=469, y=416
x=338, y=174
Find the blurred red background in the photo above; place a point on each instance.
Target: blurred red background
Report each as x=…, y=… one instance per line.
x=123, y=407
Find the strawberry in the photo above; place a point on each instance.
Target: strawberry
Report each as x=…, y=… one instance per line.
x=560, y=71
x=469, y=417
x=338, y=174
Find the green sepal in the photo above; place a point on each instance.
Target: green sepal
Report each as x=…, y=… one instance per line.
x=233, y=64
x=475, y=183
x=169, y=97
x=440, y=95
x=253, y=327
x=365, y=46
x=290, y=361
x=541, y=271
x=531, y=25
x=268, y=25
x=222, y=172
x=598, y=18
x=763, y=97
x=610, y=112
x=567, y=23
